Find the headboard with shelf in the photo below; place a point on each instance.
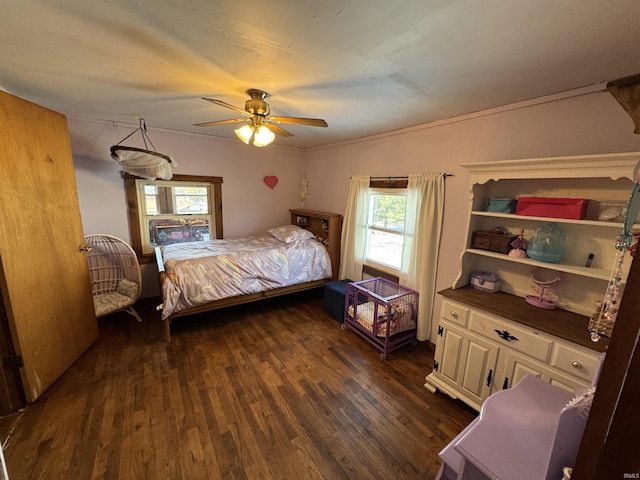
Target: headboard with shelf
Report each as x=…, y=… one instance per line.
x=325, y=226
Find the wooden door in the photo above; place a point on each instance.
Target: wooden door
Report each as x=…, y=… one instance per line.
x=45, y=287
x=11, y=391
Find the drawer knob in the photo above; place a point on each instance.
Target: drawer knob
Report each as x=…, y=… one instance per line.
x=454, y=314
x=575, y=364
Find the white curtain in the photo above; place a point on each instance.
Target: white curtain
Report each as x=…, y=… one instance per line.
x=354, y=227
x=423, y=227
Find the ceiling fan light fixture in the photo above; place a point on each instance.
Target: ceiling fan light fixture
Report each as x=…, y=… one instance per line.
x=263, y=136
x=245, y=133
x=259, y=114
x=260, y=134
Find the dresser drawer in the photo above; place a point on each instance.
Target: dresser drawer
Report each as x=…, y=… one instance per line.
x=454, y=313
x=576, y=362
x=523, y=340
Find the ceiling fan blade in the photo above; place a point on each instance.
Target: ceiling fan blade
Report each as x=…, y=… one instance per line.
x=278, y=130
x=312, y=122
x=219, y=122
x=229, y=106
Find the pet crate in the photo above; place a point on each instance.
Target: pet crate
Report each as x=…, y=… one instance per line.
x=382, y=312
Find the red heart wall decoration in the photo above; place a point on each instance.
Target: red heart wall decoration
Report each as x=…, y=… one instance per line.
x=271, y=181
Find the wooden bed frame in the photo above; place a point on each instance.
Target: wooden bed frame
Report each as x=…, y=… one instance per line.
x=326, y=226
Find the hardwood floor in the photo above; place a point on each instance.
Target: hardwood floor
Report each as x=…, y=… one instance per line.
x=273, y=389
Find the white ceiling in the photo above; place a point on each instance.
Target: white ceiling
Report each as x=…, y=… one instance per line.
x=365, y=66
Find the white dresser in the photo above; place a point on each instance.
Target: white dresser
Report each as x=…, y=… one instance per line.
x=489, y=341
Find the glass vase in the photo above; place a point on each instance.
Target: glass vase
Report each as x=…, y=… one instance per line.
x=548, y=243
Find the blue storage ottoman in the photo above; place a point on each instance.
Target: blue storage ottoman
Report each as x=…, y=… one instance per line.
x=334, y=293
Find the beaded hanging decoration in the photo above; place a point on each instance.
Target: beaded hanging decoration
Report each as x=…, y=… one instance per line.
x=602, y=322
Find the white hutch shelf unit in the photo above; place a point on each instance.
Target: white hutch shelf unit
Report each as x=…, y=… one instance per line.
x=474, y=357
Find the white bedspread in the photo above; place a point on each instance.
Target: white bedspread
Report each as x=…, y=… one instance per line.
x=201, y=272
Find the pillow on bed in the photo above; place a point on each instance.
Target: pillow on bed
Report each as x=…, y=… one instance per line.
x=290, y=233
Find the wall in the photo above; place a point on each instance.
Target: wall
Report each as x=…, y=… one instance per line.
x=249, y=206
x=588, y=124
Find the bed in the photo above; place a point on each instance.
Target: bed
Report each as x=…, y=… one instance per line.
x=197, y=277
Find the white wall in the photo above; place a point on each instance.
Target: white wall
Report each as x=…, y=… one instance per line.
x=588, y=124
x=249, y=206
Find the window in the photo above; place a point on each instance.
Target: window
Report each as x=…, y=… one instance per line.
x=161, y=212
x=173, y=212
x=385, y=227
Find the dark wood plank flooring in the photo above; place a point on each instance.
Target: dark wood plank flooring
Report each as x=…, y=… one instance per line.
x=274, y=389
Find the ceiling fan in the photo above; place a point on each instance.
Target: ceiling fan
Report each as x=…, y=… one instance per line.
x=260, y=126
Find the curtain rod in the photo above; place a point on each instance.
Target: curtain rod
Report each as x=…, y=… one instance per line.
x=405, y=177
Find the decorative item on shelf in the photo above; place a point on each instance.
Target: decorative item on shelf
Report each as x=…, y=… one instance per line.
x=569, y=208
x=548, y=243
x=496, y=240
x=603, y=321
x=519, y=246
x=634, y=242
x=322, y=240
x=502, y=205
x=485, y=281
x=589, y=260
x=143, y=162
x=544, y=280
x=611, y=211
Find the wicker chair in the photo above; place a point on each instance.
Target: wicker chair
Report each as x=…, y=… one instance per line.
x=115, y=274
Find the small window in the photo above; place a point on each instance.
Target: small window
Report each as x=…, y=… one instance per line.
x=385, y=227
x=184, y=209
x=174, y=212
